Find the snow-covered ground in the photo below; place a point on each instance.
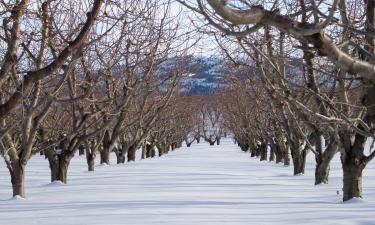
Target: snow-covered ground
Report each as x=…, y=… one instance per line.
x=198, y=185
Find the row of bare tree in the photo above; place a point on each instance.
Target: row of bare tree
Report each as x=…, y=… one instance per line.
x=86, y=76
x=303, y=79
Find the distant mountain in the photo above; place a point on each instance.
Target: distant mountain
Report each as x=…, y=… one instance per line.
x=206, y=74
x=203, y=74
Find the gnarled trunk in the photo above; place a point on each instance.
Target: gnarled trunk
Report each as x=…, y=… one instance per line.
x=322, y=163
x=90, y=159
x=150, y=150
x=272, y=152
x=105, y=156
x=59, y=167
x=279, y=154
x=286, y=156
x=144, y=152
x=298, y=157
x=263, y=152
x=120, y=159
x=17, y=175
x=131, y=153
x=352, y=180
x=153, y=152
x=81, y=150
x=162, y=149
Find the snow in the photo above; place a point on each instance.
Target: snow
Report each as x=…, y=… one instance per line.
x=199, y=185
x=17, y=198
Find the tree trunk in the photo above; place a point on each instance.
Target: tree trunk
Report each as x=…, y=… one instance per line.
x=144, y=152
x=17, y=175
x=297, y=165
x=285, y=152
x=272, y=152
x=322, y=163
x=304, y=154
x=160, y=150
x=257, y=151
x=188, y=145
x=149, y=151
x=218, y=141
x=59, y=167
x=352, y=180
x=104, y=156
x=263, y=152
x=121, y=159
x=252, y=151
x=81, y=150
x=298, y=158
x=286, y=158
x=131, y=153
x=153, y=152
x=63, y=170
x=279, y=154
x=90, y=159
x=244, y=148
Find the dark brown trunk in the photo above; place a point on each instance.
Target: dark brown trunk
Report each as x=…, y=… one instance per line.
x=322, y=163
x=91, y=163
x=153, y=152
x=352, y=180
x=149, y=151
x=298, y=158
x=54, y=167
x=286, y=156
x=286, y=159
x=272, y=152
x=252, y=151
x=257, y=151
x=321, y=172
x=17, y=175
x=81, y=151
x=105, y=152
x=121, y=154
x=218, y=141
x=160, y=150
x=297, y=165
x=63, y=171
x=59, y=168
x=121, y=159
x=279, y=154
x=90, y=159
x=263, y=152
x=104, y=156
x=144, y=152
x=304, y=154
x=131, y=153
